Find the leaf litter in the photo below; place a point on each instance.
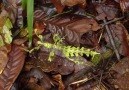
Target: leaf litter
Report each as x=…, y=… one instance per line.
x=98, y=26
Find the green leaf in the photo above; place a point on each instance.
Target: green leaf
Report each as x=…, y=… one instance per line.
x=24, y=4
x=50, y=56
x=72, y=54
x=7, y=34
x=30, y=12
x=67, y=54
x=6, y=31
x=1, y=41
x=96, y=59
x=8, y=24
x=40, y=37
x=55, y=37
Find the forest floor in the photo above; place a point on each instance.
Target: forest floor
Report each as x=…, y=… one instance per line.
x=76, y=45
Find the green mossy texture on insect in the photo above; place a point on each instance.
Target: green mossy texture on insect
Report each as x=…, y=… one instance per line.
x=68, y=51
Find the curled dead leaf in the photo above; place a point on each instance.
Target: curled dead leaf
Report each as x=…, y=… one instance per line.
x=72, y=27
x=13, y=67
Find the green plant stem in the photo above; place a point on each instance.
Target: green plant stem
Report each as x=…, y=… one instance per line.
x=30, y=10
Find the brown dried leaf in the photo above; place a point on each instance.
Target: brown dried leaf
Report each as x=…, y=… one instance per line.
x=33, y=86
x=83, y=26
x=120, y=38
x=41, y=77
x=11, y=7
x=20, y=41
x=3, y=17
x=69, y=25
x=35, y=76
x=58, y=65
x=58, y=78
x=72, y=2
x=39, y=26
x=104, y=11
x=14, y=9
x=46, y=83
x=29, y=84
x=90, y=39
x=122, y=76
x=124, y=4
x=122, y=82
x=122, y=67
x=115, y=3
x=13, y=68
x=58, y=5
x=40, y=15
x=4, y=50
x=72, y=27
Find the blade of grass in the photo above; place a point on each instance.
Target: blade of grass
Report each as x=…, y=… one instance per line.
x=30, y=10
x=24, y=4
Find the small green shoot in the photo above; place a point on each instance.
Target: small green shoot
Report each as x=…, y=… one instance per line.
x=30, y=12
x=29, y=5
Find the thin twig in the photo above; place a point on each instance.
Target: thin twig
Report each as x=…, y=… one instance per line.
x=100, y=80
x=114, y=20
x=80, y=81
x=58, y=15
x=85, y=79
x=100, y=36
x=82, y=72
x=111, y=40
